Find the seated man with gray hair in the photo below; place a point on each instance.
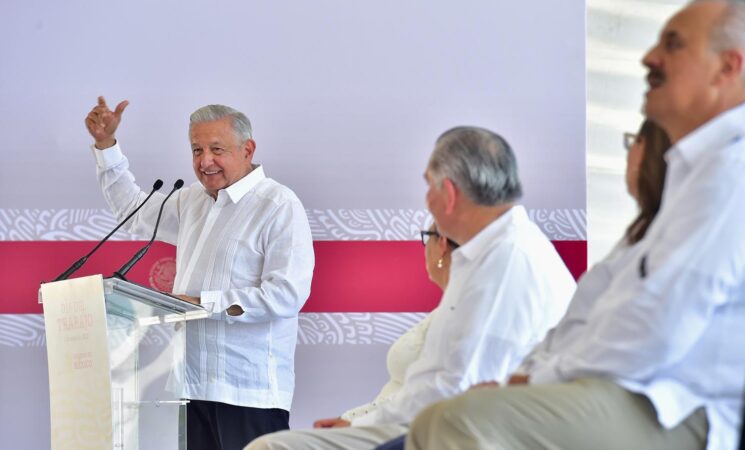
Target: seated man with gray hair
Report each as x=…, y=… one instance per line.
x=508, y=287
x=244, y=245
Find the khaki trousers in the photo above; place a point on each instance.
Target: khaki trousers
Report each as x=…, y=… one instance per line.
x=357, y=438
x=586, y=414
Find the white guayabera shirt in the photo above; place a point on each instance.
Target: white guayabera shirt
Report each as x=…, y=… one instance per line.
x=251, y=247
x=508, y=286
x=671, y=324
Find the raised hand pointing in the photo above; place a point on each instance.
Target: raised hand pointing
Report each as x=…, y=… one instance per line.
x=103, y=122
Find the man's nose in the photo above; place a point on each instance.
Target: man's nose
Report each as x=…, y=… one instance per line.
x=650, y=57
x=205, y=160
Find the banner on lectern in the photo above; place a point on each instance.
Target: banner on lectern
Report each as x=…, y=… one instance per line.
x=79, y=375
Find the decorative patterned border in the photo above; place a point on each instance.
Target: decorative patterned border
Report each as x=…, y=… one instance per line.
x=561, y=224
x=22, y=330
x=27, y=330
x=367, y=224
x=354, y=328
x=58, y=225
x=326, y=224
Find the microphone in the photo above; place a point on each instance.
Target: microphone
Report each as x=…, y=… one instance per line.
x=140, y=253
x=79, y=263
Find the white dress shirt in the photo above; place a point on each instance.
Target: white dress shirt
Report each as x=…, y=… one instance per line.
x=591, y=286
x=671, y=325
x=508, y=286
x=251, y=247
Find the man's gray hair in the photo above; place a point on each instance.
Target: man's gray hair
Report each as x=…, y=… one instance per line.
x=211, y=113
x=729, y=32
x=480, y=162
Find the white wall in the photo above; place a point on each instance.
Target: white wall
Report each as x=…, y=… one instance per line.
x=618, y=35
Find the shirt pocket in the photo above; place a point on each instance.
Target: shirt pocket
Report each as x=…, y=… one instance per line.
x=244, y=260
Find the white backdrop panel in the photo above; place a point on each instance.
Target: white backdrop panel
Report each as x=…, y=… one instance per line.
x=347, y=98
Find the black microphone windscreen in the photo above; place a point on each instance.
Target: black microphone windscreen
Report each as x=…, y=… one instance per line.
x=178, y=184
x=158, y=184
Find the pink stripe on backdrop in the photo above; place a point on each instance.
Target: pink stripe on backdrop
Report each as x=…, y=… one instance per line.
x=350, y=276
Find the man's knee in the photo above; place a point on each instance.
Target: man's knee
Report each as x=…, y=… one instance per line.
x=463, y=420
x=442, y=420
x=271, y=441
x=421, y=427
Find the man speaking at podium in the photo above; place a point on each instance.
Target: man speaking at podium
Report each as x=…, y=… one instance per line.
x=244, y=245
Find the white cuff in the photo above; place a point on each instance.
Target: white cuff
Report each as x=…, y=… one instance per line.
x=108, y=157
x=366, y=420
x=213, y=297
x=545, y=372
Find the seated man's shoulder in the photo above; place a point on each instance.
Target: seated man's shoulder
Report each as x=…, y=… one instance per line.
x=530, y=249
x=527, y=239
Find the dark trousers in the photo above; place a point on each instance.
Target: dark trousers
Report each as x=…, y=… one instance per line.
x=219, y=426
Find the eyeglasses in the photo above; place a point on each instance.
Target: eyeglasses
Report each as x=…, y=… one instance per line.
x=427, y=233
x=629, y=139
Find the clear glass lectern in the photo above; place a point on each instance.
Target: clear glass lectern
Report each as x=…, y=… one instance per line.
x=139, y=364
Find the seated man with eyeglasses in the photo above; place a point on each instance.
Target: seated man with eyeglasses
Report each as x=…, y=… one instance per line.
x=507, y=287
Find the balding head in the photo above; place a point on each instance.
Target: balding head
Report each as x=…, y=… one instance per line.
x=696, y=67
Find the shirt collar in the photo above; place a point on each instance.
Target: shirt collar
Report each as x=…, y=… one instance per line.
x=495, y=232
x=240, y=188
x=714, y=135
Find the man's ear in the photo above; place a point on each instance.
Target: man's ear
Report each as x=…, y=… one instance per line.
x=732, y=64
x=451, y=195
x=249, y=147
